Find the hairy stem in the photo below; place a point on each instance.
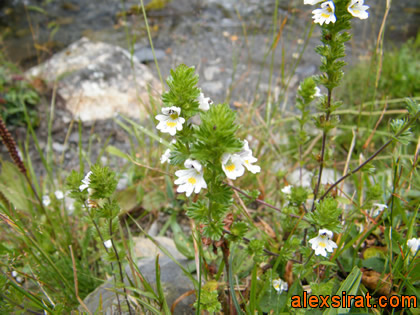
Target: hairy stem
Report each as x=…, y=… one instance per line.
x=321, y=160
x=264, y=203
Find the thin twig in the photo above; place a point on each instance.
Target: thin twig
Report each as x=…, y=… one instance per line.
x=76, y=283
x=383, y=147
x=247, y=240
x=265, y=203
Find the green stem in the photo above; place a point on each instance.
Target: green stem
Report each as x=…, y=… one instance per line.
x=324, y=140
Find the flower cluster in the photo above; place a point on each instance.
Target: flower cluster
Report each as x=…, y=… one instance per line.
x=191, y=179
x=326, y=14
x=280, y=285
x=234, y=164
x=91, y=203
x=323, y=243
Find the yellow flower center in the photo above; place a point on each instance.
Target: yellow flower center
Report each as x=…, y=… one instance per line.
x=246, y=161
x=325, y=16
x=192, y=180
x=171, y=124
x=174, y=116
x=230, y=167
x=322, y=244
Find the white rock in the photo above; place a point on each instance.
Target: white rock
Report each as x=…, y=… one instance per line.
x=144, y=247
x=209, y=72
x=96, y=80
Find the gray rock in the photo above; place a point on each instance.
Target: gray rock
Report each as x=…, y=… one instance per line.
x=212, y=87
x=144, y=247
x=97, y=80
x=210, y=72
x=174, y=281
x=74, y=137
x=145, y=54
x=58, y=147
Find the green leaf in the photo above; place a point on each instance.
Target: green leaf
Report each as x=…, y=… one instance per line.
x=375, y=263
x=14, y=186
x=350, y=285
x=161, y=294
x=117, y=152
x=184, y=245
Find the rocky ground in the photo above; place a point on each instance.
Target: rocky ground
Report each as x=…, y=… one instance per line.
x=227, y=41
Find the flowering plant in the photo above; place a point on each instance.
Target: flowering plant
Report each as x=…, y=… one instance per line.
x=209, y=151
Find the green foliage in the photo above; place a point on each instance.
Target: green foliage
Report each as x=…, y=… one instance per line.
x=326, y=215
x=216, y=134
x=198, y=210
x=73, y=182
x=256, y=250
x=399, y=76
x=102, y=181
x=288, y=249
x=209, y=298
x=17, y=96
x=238, y=231
x=333, y=49
x=298, y=195
x=251, y=196
x=183, y=91
x=374, y=192
x=37, y=239
x=404, y=136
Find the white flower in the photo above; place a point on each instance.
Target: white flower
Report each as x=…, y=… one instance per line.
x=70, y=208
x=46, y=200
x=14, y=274
x=280, y=285
x=85, y=181
x=190, y=179
x=357, y=9
x=322, y=243
x=19, y=279
x=379, y=208
x=317, y=92
x=170, y=121
x=108, y=244
x=205, y=102
x=414, y=245
x=312, y=2
x=165, y=156
x=59, y=194
x=232, y=165
x=248, y=159
x=287, y=190
x=325, y=14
